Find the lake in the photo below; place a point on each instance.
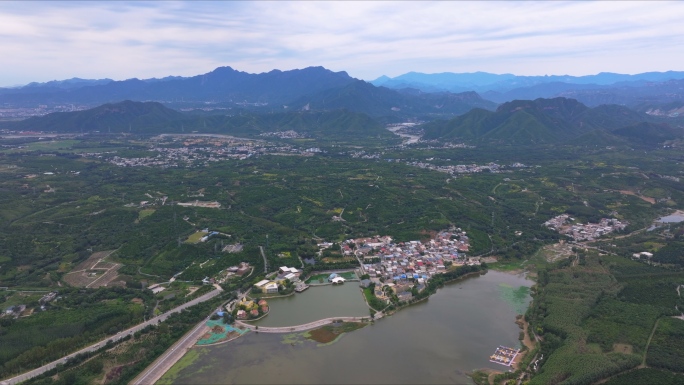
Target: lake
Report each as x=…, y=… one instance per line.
x=436, y=341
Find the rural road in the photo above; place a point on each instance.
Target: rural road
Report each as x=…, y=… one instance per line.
x=261, y=248
x=118, y=336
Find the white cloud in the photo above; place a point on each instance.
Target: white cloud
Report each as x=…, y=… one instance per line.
x=44, y=41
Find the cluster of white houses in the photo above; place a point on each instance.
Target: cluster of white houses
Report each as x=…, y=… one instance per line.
x=400, y=266
x=403, y=265
x=268, y=286
x=584, y=232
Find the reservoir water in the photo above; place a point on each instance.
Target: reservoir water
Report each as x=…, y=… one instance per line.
x=674, y=218
x=317, y=302
x=436, y=341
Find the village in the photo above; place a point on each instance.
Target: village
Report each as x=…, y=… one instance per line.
x=398, y=268
x=468, y=168
x=564, y=224
x=201, y=150
x=392, y=268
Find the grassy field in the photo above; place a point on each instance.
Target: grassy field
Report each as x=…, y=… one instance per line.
x=195, y=238
x=59, y=145
x=145, y=213
x=538, y=260
x=329, y=333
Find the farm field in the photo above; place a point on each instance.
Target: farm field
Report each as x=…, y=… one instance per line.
x=56, y=145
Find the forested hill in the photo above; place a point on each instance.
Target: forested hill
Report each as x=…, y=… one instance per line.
x=126, y=116
x=330, y=125
x=154, y=118
x=555, y=120
x=364, y=97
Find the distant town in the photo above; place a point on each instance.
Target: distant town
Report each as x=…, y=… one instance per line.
x=565, y=224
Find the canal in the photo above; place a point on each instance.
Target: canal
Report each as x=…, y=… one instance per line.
x=436, y=341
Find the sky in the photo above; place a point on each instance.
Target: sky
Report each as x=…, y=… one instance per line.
x=43, y=41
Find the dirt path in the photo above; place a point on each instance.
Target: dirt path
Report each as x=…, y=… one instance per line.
x=643, y=362
x=527, y=341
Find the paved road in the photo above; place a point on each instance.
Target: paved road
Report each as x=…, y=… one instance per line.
x=120, y=335
x=154, y=372
x=303, y=327
x=363, y=271
x=161, y=365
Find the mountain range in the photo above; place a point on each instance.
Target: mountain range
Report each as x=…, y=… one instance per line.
x=593, y=90
x=557, y=120
x=223, y=84
x=327, y=104
x=413, y=95
x=306, y=89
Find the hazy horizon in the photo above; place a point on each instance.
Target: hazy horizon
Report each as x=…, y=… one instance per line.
x=44, y=41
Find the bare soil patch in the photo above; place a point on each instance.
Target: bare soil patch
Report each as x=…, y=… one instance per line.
x=428, y=234
x=623, y=348
x=192, y=290
x=645, y=198
x=94, y=272
x=557, y=251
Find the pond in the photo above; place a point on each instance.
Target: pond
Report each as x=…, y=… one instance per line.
x=316, y=303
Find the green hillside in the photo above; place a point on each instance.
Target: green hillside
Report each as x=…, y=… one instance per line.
x=553, y=121
x=115, y=117
x=363, y=97
x=154, y=118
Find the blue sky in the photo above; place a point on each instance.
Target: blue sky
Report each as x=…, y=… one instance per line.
x=42, y=41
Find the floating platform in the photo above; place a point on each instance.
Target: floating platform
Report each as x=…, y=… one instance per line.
x=504, y=355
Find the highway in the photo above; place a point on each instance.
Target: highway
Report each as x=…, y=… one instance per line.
x=153, y=373
x=156, y=370
x=118, y=336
